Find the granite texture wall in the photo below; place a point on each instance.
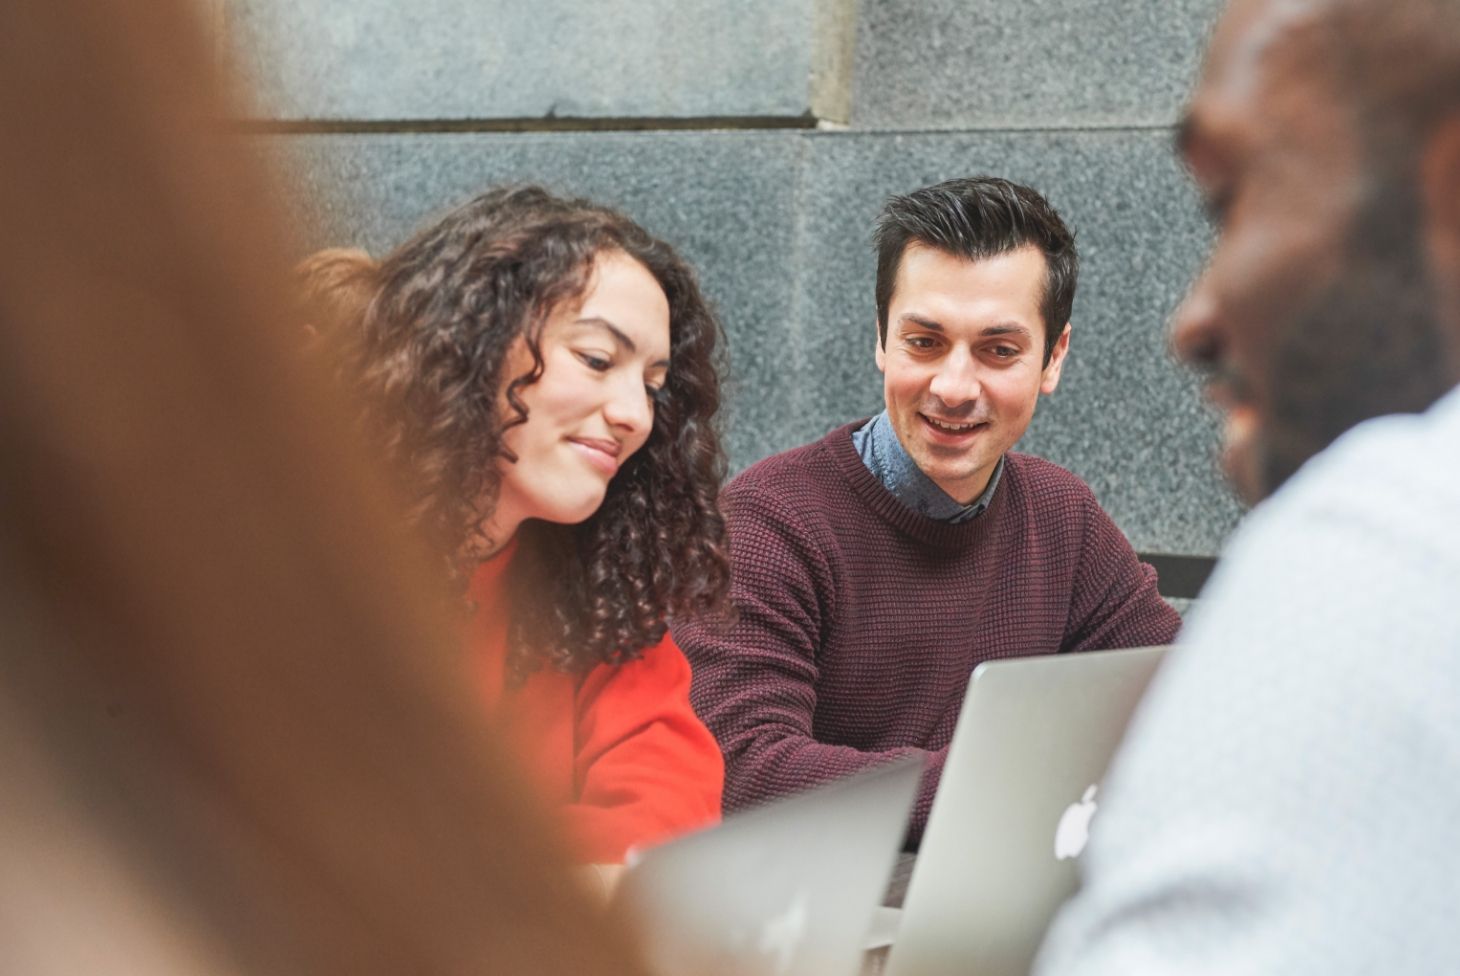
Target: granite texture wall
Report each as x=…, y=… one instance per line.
x=382, y=60
x=1075, y=97
x=1034, y=64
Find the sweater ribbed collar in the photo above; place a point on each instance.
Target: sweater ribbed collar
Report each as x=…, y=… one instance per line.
x=882, y=452
x=886, y=506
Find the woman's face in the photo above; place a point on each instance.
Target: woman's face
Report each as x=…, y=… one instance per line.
x=603, y=362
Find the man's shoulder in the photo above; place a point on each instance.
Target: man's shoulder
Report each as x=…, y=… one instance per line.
x=1034, y=467
x=1413, y=457
x=1356, y=549
x=792, y=473
x=1043, y=483
x=1390, y=483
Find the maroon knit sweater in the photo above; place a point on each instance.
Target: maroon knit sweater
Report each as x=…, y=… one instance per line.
x=859, y=620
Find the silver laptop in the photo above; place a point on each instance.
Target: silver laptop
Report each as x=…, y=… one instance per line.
x=1019, y=793
x=786, y=889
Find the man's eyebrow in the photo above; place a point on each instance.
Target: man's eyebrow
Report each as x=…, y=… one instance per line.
x=920, y=321
x=1007, y=328
x=1002, y=328
x=619, y=336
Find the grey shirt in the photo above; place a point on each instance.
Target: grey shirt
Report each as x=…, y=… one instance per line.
x=1287, y=798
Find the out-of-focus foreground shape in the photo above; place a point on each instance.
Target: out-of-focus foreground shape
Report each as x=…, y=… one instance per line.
x=233, y=732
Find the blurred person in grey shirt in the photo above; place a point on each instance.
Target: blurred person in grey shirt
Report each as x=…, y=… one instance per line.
x=1288, y=794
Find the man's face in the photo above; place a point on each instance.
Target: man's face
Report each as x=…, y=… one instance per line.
x=962, y=365
x=1314, y=312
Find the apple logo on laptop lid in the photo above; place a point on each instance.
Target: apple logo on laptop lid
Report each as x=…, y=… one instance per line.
x=1073, y=832
x=782, y=935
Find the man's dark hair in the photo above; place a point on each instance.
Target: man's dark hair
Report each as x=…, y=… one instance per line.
x=976, y=218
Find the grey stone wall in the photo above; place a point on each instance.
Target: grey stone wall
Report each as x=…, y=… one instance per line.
x=384, y=60
x=1075, y=97
x=1030, y=64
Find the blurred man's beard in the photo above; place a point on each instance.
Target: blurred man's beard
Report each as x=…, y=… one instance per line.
x=1371, y=344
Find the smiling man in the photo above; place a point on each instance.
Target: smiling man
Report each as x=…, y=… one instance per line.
x=1287, y=798
x=875, y=568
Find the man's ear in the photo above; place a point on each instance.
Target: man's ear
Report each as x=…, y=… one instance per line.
x=881, y=349
x=1440, y=186
x=1056, y=364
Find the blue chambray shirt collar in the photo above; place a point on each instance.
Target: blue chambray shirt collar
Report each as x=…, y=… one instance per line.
x=883, y=454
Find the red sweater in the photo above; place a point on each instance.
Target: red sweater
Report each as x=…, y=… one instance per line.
x=860, y=620
x=618, y=750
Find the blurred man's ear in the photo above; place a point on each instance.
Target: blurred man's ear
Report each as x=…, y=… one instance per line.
x=1440, y=178
x=1052, y=369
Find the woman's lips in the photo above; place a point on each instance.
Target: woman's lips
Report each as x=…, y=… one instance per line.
x=601, y=454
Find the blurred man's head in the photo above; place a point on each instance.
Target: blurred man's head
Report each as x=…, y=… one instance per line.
x=1325, y=135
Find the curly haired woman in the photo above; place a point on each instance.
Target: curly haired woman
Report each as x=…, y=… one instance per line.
x=541, y=372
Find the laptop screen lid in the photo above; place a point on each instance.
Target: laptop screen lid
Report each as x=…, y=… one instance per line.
x=1018, y=795
x=785, y=889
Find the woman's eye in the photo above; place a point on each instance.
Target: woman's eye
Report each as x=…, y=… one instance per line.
x=656, y=393
x=594, y=362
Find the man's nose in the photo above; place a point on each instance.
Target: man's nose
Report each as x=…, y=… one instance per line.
x=957, y=380
x=1195, y=329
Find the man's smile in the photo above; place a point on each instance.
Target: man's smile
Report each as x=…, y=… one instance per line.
x=947, y=433
x=951, y=427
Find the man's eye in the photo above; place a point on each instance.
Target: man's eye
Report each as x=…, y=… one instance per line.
x=597, y=363
x=919, y=342
x=1006, y=352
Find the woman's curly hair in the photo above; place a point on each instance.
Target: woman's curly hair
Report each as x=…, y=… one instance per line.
x=426, y=345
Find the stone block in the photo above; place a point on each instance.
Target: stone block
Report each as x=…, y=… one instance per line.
x=382, y=60
x=958, y=64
